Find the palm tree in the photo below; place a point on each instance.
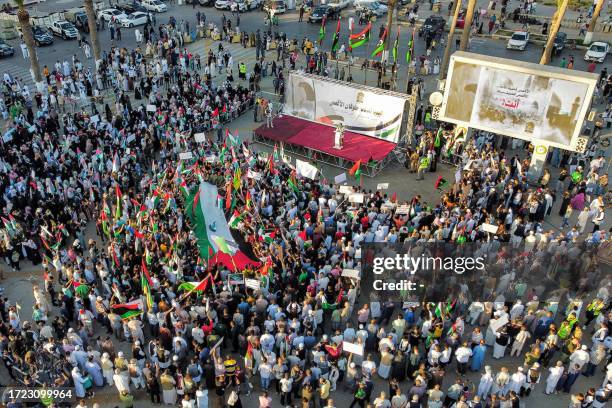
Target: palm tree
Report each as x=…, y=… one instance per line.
x=589, y=35
x=467, y=25
x=93, y=31
x=554, y=29
x=28, y=38
x=390, y=9
x=449, y=41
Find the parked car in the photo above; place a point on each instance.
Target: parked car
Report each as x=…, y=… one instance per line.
x=63, y=29
x=559, y=43
x=41, y=36
x=244, y=5
x=278, y=6
x=154, y=5
x=597, y=52
x=376, y=8
x=317, y=14
x=109, y=13
x=432, y=24
x=340, y=4
x=518, y=41
x=78, y=17
x=201, y=2
x=130, y=8
x=135, y=19
x=5, y=49
x=222, y=4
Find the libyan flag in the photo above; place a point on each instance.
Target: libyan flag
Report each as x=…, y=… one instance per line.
x=129, y=310
x=336, y=37
x=381, y=45
x=322, y=31
x=195, y=286
x=359, y=39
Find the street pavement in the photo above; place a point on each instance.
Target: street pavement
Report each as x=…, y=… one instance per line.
x=18, y=285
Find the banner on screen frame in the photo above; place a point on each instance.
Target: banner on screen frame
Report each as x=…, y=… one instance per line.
x=361, y=109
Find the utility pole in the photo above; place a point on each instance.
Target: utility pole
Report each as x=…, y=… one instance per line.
x=449, y=41
x=467, y=27
x=589, y=34
x=556, y=23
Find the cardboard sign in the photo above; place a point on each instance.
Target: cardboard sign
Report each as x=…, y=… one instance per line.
x=340, y=178
x=306, y=169
x=151, y=108
x=403, y=210
x=489, y=228
x=351, y=273
x=186, y=156
x=253, y=174
x=352, y=348
x=252, y=283
x=200, y=137
x=497, y=324
x=356, y=198
x=346, y=190
x=210, y=159
x=382, y=186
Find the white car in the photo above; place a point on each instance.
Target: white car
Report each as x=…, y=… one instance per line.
x=222, y=4
x=244, y=5
x=109, y=13
x=597, y=52
x=135, y=19
x=518, y=41
x=154, y=5
x=340, y=4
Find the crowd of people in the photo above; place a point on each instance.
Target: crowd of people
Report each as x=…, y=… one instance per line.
x=145, y=303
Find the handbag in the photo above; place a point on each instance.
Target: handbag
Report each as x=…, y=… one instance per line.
x=233, y=398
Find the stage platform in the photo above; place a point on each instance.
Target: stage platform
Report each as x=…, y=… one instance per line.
x=315, y=141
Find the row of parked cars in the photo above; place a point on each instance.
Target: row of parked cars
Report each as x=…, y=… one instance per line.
x=597, y=51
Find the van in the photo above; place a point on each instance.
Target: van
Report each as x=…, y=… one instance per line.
x=278, y=6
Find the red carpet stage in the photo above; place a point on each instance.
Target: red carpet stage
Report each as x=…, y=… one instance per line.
x=315, y=141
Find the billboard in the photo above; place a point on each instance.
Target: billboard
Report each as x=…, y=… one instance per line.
x=541, y=104
x=365, y=110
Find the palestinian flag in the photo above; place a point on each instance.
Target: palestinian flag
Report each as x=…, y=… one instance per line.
x=440, y=183
x=235, y=220
x=195, y=286
x=410, y=48
x=396, y=45
x=356, y=170
x=381, y=45
x=118, y=208
x=222, y=245
x=438, y=310
x=183, y=188
x=145, y=271
x=248, y=200
x=129, y=310
x=81, y=289
x=293, y=185
x=268, y=238
x=322, y=30
x=359, y=39
x=336, y=38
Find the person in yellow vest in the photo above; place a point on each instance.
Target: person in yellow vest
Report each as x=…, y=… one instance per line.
x=593, y=310
x=567, y=326
x=242, y=71
x=423, y=167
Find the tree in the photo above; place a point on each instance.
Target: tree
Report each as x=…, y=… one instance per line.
x=28, y=38
x=93, y=31
x=390, y=9
x=449, y=41
x=467, y=26
x=554, y=29
x=589, y=34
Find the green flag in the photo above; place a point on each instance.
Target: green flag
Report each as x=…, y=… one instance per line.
x=381, y=45
x=359, y=39
x=336, y=38
x=396, y=45
x=410, y=48
x=322, y=31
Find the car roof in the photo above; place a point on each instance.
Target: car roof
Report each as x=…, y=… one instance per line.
x=599, y=43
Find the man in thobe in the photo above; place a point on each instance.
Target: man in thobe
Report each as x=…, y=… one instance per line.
x=555, y=373
x=463, y=355
x=580, y=357
x=94, y=370
x=121, y=381
x=517, y=380
x=519, y=341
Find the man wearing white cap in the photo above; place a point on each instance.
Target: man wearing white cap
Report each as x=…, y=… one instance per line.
x=553, y=378
x=580, y=357
x=517, y=380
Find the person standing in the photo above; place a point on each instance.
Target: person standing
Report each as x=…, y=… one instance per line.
x=553, y=378
x=24, y=50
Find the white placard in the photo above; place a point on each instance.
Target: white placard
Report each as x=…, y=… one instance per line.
x=151, y=108
x=251, y=283
x=340, y=178
x=358, y=253
x=346, y=190
x=403, y=209
x=382, y=186
x=352, y=348
x=468, y=164
x=306, y=169
x=351, y=273
x=200, y=137
x=217, y=344
x=489, y=228
x=253, y=174
x=356, y=198
x=210, y=159
x=186, y=156
x=497, y=324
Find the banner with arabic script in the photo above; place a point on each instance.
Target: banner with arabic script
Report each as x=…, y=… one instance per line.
x=528, y=101
x=360, y=109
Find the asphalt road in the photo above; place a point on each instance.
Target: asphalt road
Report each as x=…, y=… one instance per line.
x=253, y=20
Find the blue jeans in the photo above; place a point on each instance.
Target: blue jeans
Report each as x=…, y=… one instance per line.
x=265, y=383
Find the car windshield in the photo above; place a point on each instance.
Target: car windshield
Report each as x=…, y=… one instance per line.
x=598, y=48
x=64, y=25
x=155, y=2
x=518, y=36
x=319, y=10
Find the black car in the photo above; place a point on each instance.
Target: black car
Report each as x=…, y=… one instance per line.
x=6, y=50
x=131, y=8
x=316, y=15
x=432, y=25
x=41, y=36
x=559, y=42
